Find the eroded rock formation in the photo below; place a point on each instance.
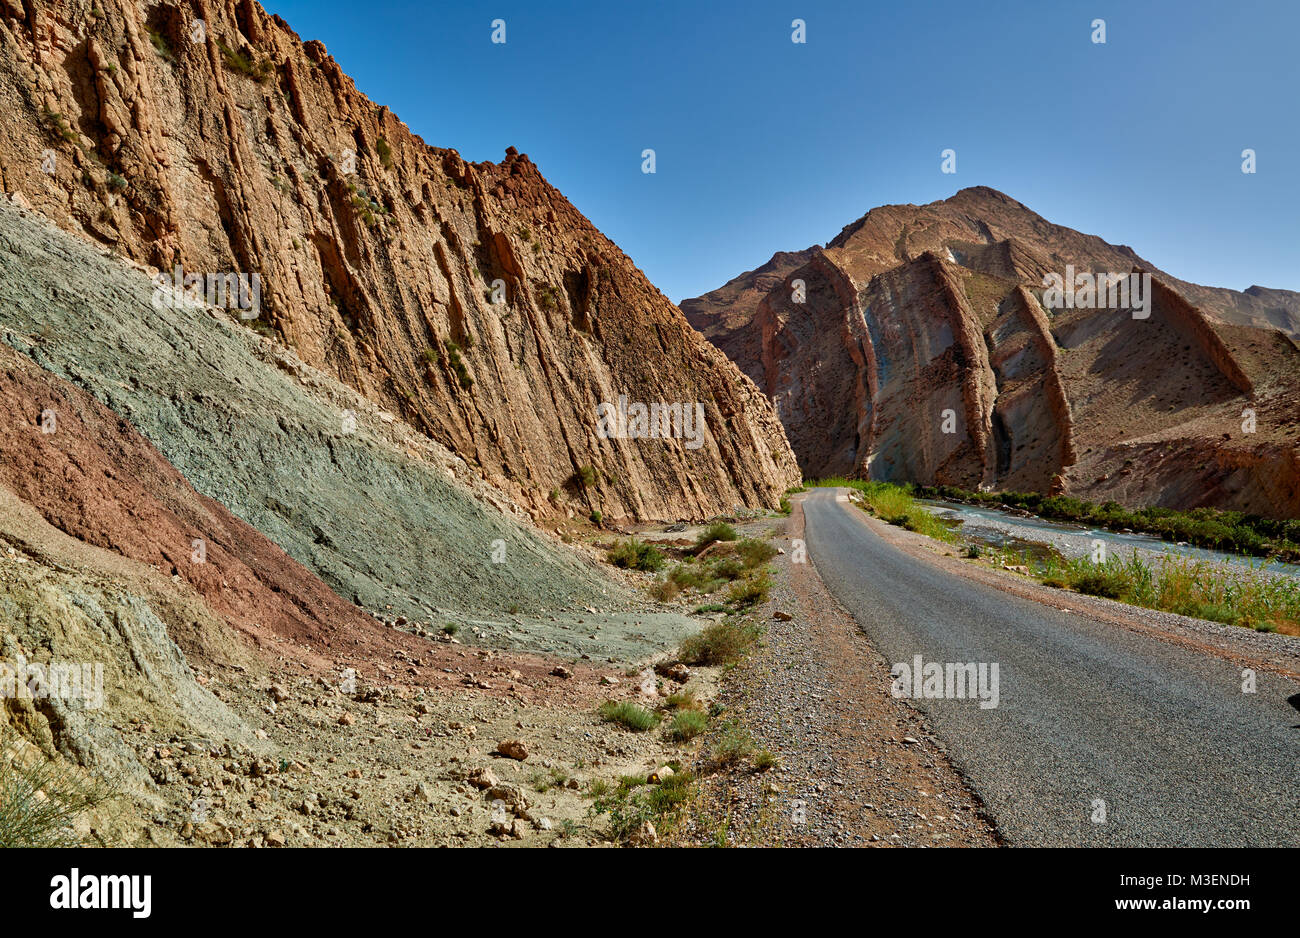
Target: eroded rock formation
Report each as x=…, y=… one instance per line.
x=239, y=148
x=916, y=346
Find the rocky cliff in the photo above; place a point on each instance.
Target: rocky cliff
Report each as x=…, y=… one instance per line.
x=471, y=298
x=918, y=345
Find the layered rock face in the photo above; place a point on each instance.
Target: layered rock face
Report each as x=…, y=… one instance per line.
x=919, y=345
x=389, y=520
x=208, y=135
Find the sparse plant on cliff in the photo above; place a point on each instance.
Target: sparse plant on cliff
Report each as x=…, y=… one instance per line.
x=58, y=125
x=368, y=209
x=237, y=61
x=546, y=297
x=463, y=376
x=385, y=152
x=161, y=45
x=40, y=798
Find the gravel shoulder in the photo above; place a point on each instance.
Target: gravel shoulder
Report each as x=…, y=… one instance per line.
x=857, y=767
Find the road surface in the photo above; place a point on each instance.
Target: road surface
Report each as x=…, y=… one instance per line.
x=1090, y=717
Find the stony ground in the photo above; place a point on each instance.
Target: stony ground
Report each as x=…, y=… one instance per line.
x=401, y=757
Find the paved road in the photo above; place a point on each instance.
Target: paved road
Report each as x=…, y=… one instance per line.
x=1162, y=734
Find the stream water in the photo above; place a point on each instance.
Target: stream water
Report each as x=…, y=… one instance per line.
x=1002, y=528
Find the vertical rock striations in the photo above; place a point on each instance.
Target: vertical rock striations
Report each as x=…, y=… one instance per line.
x=922, y=351
x=250, y=151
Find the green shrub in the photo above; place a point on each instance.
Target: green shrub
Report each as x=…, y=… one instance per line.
x=687, y=724
x=628, y=715
x=237, y=61
x=750, y=591
x=753, y=552
x=636, y=555
x=734, y=745
x=384, y=151
x=683, y=700
x=41, y=799
x=1100, y=582
x=762, y=760
x=718, y=531
x=718, y=643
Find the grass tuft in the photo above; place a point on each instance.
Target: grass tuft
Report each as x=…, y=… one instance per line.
x=628, y=715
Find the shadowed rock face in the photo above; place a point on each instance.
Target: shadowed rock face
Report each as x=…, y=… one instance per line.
x=923, y=351
x=252, y=152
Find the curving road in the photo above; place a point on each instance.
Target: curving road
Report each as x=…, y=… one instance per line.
x=1162, y=734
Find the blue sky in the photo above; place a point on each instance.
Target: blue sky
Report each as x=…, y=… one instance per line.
x=765, y=145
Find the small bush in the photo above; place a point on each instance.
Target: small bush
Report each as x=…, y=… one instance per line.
x=687, y=724
x=41, y=800
x=719, y=643
x=753, y=552
x=666, y=590
x=384, y=151
x=734, y=746
x=1100, y=582
x=683, y=700
x=763, y=760
x=555, y=777
x=237, y=61
x=628, y=715
x=636, y=555
x=718, y=531
x=750, y=591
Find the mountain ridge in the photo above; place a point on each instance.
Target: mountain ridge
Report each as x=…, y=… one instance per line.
x=915, y=311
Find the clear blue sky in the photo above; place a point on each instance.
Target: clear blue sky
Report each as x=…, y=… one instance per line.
x=765, y=145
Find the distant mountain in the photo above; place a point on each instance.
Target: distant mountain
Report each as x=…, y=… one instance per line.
x=924, y=350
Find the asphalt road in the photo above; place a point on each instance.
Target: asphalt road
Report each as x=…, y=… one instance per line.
x=1086, y=711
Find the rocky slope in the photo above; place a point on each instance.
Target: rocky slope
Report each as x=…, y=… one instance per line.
x=250, y=151
x=387, y=518
x=922, y=351
x=206, y=601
